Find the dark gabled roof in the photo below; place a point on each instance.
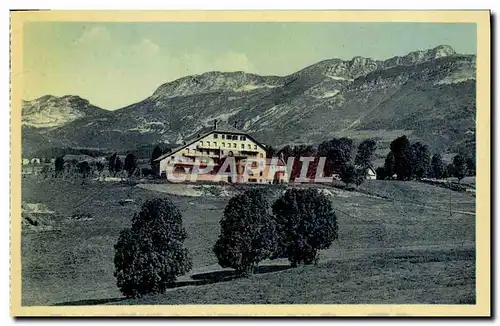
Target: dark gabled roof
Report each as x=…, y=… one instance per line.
x=223, y=128
x=368, y=166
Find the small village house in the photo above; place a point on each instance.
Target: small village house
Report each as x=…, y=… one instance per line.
x=371, y=174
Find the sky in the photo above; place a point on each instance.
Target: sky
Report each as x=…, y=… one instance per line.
x=117, y=64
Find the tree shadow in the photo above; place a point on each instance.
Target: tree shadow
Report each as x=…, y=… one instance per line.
x=271, y=269
x=197, y=279
x=227, y=275
x=89, y=302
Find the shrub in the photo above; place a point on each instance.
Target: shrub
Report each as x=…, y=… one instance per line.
x=305, y=223
x=247, y=232
x=150, y=255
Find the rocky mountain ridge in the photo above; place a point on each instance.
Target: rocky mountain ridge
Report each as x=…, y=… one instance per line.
x=427, y=94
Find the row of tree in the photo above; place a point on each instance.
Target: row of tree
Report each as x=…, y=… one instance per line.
x=409, y=161
x=150, y=254
x=341, y=156
x=115, y=166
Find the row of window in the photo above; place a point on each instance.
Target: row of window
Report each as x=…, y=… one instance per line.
x=230, y=137
x=207, y=143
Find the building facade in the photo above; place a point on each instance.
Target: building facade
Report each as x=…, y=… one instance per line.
x=221, y=153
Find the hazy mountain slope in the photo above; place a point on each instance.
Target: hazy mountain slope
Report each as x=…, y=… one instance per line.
x=428, y=94
x=50, y=111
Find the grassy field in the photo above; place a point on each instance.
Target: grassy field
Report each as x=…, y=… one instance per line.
x=397, y=244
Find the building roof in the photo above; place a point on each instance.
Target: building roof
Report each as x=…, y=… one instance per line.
x=222, y=128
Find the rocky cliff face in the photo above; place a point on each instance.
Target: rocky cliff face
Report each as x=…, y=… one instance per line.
x=429, y=95
x=50, y=111
x=216, y=81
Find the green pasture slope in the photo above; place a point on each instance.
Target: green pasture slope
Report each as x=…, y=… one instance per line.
x=397, y=244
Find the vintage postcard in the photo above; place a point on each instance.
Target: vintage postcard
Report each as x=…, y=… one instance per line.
x=250, y=163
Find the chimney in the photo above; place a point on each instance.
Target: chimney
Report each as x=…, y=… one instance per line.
x=236, y=124
x=215, y=124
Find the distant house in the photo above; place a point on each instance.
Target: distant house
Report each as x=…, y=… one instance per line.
x=35, y=161
x=371, y=174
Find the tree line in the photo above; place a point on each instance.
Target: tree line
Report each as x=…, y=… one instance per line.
x=407, y=161
x=85, y=169
x=341, y=157
x=150, y=255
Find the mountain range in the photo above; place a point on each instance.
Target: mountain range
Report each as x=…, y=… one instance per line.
x=429, y=95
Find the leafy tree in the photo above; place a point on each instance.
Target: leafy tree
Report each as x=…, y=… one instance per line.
x=419, y=160
x=84, y=170
x=450, y=170
x=130, y=164
x=304, y=151
x=157, y=152
x=471, y=166
x=247, y=232
x=338, y=152
x=366, y=149
x=400, y=147
x=438, y=169
x=58, y=165
x=351, y=173
x=361, y=173
x=305, y=223
x=118, y=166
x=271, y=152
x=348, y=174
x=112, y=163
x=150, y=255
x=297, y=152
x=286, y=151
x=381, y=173
x=459, y=167
x=389, y=165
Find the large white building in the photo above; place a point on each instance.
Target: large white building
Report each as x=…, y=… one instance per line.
x=212, y=145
